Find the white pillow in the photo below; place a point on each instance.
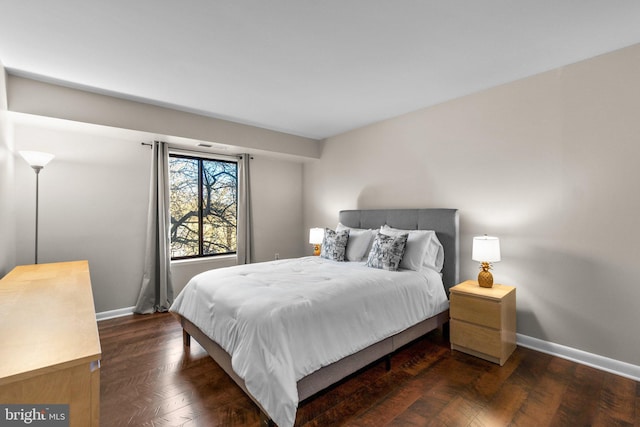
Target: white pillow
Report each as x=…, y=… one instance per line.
x=423, y=249
x=359, y=244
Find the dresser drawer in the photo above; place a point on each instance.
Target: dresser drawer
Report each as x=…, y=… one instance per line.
x=478, y=338
x=480, y=311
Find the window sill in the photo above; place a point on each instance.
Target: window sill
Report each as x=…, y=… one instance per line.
x=222, y=259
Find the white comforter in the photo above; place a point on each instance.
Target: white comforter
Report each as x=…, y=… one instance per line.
x=283, y=320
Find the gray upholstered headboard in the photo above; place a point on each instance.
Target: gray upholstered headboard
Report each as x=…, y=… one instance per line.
x=443, y=221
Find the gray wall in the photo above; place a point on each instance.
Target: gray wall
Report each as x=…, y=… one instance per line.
x=7, y=216
x=93, y=204
x=549, y=164
x=93, y=195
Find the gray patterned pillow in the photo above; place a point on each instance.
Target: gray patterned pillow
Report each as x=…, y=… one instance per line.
x=334, y=244
x=387, y=251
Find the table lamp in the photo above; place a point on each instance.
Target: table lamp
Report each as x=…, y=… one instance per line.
x=486, y=249
x=316, y=235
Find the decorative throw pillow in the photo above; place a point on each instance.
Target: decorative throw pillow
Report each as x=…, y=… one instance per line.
x=387, y=251
x=334, y=244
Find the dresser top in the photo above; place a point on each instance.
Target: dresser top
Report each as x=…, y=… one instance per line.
x=47, y=319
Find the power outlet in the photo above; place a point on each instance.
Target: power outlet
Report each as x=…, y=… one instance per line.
x=277, y=256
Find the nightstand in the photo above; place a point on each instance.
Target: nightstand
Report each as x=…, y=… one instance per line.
x=483, y=320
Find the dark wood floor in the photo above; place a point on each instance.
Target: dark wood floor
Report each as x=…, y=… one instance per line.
x=149, y=379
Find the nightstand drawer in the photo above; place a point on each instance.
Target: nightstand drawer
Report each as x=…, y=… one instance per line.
x=476, y=310
x=478, y=338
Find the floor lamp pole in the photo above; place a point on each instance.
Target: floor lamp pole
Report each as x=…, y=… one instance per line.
x=37, y=160
x=37, y=169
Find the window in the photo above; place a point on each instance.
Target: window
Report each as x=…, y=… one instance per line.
x=203, y=207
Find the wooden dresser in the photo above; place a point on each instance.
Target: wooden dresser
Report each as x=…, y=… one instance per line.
x=483, y=320
x=50, y=351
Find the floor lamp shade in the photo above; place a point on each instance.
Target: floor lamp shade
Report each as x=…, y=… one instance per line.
x=37, y=160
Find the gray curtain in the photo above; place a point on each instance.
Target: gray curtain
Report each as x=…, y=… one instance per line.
x=244, y=247
x=156, y=291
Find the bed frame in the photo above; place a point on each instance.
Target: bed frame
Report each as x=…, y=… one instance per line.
x=445, y=224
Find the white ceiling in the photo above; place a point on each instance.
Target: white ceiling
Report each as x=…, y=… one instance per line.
x=310, y=68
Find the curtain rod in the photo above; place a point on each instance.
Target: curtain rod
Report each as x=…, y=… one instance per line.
x=239, y=156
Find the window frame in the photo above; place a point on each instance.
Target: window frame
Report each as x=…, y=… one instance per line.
x=200, y=157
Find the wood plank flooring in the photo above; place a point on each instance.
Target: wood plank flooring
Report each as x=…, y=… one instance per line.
x=149, y=379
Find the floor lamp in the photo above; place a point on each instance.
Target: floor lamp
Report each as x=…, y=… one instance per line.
x=37, y=160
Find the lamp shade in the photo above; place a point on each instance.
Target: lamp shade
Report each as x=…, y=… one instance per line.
x=37, y=159
x=316, y=235
x=486, y=249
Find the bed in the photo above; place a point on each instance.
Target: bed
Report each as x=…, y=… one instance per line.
x=277, y=380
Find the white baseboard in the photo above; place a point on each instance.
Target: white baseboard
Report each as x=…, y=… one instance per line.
x=111, y=314
x=613, y=366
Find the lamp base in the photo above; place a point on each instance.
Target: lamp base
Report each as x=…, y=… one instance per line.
x=316, y=250
x=485, y=279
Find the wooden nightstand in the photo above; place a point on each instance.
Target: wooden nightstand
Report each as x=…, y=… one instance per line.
x=483, y=320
